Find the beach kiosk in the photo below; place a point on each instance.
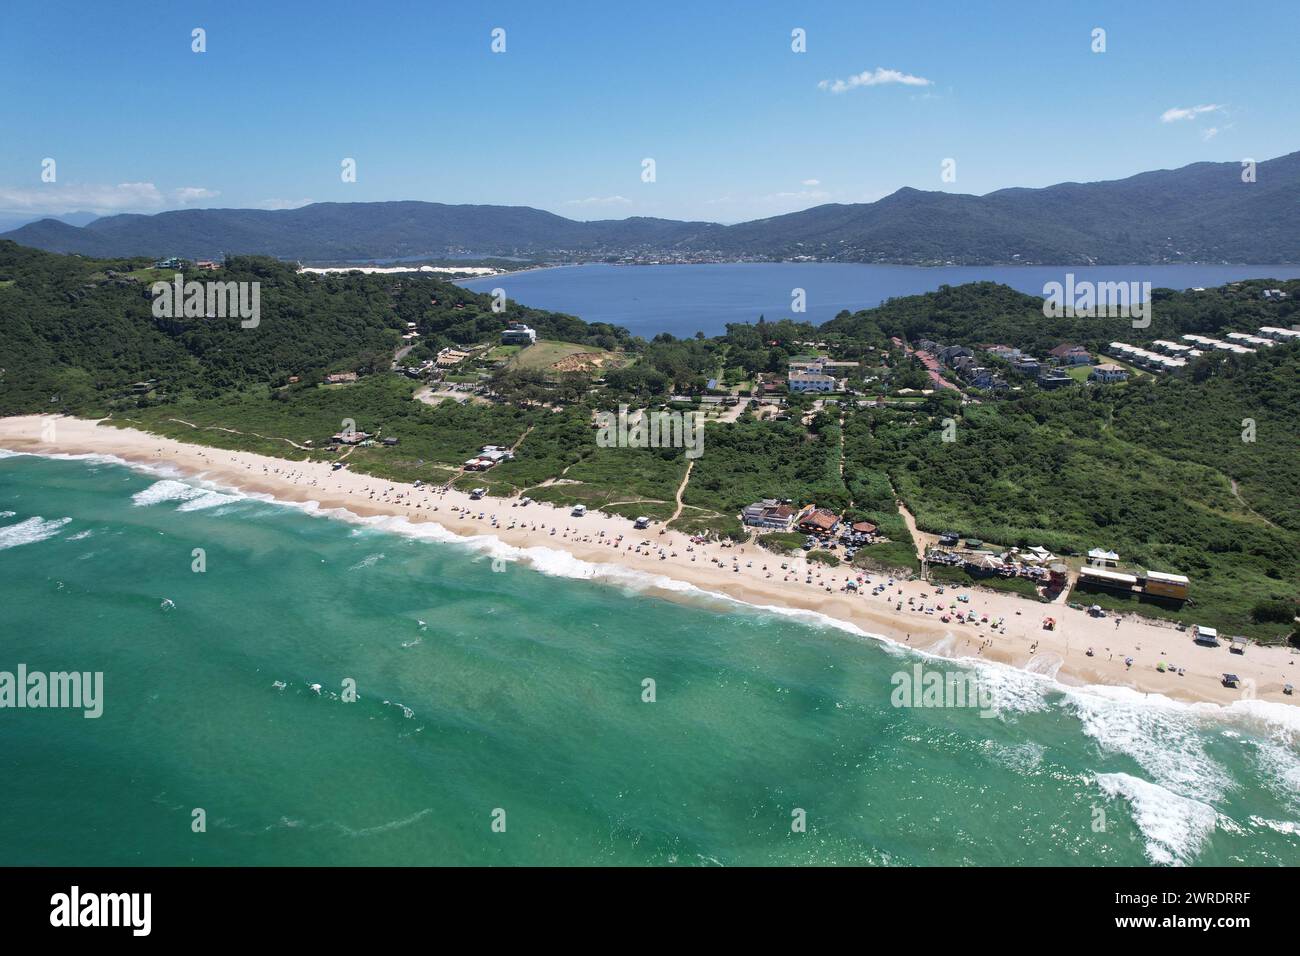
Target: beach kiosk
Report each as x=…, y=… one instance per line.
x=1205, y=636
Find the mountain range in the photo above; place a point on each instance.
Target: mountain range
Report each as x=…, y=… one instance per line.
x=1204, y=212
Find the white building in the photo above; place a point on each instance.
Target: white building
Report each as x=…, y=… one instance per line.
x=518, y=334
x=800, y=382
x=1108, y=372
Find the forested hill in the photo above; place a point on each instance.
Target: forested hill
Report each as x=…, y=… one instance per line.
x=1199, y=213
x=76, y=334
x=988, y=313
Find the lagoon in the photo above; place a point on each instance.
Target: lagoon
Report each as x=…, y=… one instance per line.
x=685, y=299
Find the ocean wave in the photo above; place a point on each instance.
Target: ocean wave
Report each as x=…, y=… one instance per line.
x=1278, y=826
x=161, y=469
x=1175, y=827
x=1165, y=738
x=31, y=531
x=208, y=499
x=191, y=497
x=166, y=490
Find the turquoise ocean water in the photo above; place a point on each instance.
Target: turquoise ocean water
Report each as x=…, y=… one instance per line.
x=521, y=691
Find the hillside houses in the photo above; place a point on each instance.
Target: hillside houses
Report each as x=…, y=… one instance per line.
x=1280, y=335
x=1066, y=354
x=1005, y=352
x=1144, y=358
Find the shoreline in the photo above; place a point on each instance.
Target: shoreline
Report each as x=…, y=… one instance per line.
x=662, y=562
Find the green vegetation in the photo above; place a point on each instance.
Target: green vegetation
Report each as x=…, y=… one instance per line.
x=782, y=542
x=1196, y=473
x=962, y=578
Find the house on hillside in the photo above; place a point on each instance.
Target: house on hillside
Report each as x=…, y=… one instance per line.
x=1067, y=354
x=340, y=377
x=800, y=382
x=1005, y=352
x=1050, y=378
x=948, y=356
x=1108, y=372
x=448, y=357
x=518, y=334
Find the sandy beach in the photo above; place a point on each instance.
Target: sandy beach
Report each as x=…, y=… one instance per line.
x=905, y=612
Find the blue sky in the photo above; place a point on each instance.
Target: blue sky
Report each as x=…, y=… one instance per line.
x=738, y=124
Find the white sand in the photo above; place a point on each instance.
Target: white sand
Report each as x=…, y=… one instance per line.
x=749, y=573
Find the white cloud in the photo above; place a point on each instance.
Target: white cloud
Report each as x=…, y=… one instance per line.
x=781, y=201
x=876, y=77
x=812, y=195
x=600, y=201
x=56, y=199
x=1176, y=113
x=189, y=194
x=284, y=203
x=811, y=182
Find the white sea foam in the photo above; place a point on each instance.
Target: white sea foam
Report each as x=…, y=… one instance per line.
x=1279, y=826
x=1023, y=758
x=7, y=514
x=208, y=499
x=369, y=561
x=166, y=490
x=1165, y=738
x=1175, y=827
x=81, y=535
x=191, y=497
x=1013, y=691
x=31, y=531
x=98, y=458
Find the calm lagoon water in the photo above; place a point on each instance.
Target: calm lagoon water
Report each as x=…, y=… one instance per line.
x=685, y=299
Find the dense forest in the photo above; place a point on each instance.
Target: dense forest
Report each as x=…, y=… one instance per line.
x=79, y=333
